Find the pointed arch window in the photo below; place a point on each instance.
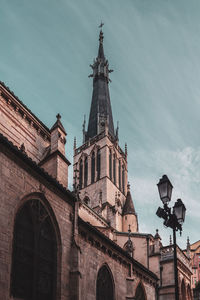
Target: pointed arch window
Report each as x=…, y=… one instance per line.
x=119, y=174
x=93, y=167
x=81, y=174
x=86, y=172
x=123, y=179
x=140, y=292
x=110, y=164
x=98, y=164
x=105, y=286
x=114, y=169
x=34, y=254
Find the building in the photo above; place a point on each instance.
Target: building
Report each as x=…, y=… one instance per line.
x=193, y=252
x=80, y=244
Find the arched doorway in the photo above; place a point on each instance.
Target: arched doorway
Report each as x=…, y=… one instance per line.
x=105, y=285
x=34, y=262
x=140, y=293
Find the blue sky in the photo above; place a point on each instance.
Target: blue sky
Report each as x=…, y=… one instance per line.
x=154, y=49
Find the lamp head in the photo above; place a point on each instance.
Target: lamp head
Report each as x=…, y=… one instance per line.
x=165, y=189
x=179, y=211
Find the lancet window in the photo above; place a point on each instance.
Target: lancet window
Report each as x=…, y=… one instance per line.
x=85, y=172
x=81, y=174
x=98, y=164
x=34, y=254
x=105, y=286
x=93, y=167
x=123, y=179
x=110, y=164
x=119, y=174
x=114, y=168
x=140, y=292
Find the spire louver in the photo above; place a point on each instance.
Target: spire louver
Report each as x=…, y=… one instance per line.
x=100, y=111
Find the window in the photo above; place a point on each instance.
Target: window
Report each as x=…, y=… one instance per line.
x=110, y=164
x=81, y=174
x=140, y=292
x=123, y=179
x=86, y=172
x=93, y=168
x=98, y=164
x=105, y=286
x=34, y=254
x=114, y=169
x=120, y=175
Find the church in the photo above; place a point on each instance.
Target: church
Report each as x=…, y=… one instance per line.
x=83, y=244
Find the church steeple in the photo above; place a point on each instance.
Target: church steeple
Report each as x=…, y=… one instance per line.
x=101, y=163
x=100, y=111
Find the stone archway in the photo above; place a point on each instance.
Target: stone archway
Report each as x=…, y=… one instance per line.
x=34, y=262
x=105, y=284
x=140, y=293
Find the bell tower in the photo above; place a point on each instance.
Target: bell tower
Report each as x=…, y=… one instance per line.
x=100, y=162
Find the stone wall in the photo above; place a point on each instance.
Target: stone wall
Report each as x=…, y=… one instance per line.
x=19, y=183
x=95, y=252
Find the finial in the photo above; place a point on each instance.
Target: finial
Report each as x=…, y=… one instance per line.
x=84, y=130
x=117, y=131
x=101, y=33
x=101, y=37
x=58, y=116
x=126, y=149
x=22, y=148
x=76, y=185
x=157, y=236
x=74, y=142
x=170, y=240
x=188, y=243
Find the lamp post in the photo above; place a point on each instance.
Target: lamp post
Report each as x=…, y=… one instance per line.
x=172, y=218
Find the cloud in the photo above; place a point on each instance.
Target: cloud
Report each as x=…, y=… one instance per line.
x=183, y=169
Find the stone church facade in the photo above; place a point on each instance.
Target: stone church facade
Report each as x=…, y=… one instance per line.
x=81, y=244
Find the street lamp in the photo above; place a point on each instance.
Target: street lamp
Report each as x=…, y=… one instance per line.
x=172, y=219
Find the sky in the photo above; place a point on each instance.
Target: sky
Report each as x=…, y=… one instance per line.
x=154, y=49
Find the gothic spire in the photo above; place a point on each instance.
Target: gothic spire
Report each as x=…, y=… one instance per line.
x=100, y=110
x=128, y=208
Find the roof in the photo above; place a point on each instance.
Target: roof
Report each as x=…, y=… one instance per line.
x=195, y=245
x=128, y=208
